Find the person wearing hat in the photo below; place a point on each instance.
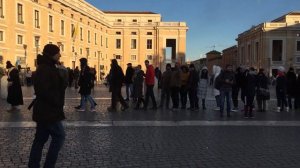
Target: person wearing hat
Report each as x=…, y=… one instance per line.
x=129, y=81
x=48, y=111
x=281, y=89
x=14, y=91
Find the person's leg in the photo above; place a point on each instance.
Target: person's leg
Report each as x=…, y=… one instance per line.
x=203, y=104
x=235, y=93
x=162, y=98
x=289, y=97
x=152, y=97
x=147, y=97
x=259, y=104
x=228, y=100
x=222, y=98
x=82, y=103
x=41, y=137
x=91, y=100
x=131, y=90
x=127, y=91
x=58, y=137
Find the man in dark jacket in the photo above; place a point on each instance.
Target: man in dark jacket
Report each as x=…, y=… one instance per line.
x=128, y=81
x=115, y=84
x=48, y=108
x=291, y=82
x=227, y=80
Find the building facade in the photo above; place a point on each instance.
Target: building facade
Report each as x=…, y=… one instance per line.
x=272, y=44
x=213, y=58
x=229, y=56
x=82, y=30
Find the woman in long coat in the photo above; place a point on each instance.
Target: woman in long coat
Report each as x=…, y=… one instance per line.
x=14, y=93
x=202, y=86
x=138, y=83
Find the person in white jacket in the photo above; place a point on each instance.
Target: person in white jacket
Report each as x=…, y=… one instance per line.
x=216, y=91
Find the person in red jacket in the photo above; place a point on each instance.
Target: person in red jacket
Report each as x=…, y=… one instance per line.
x=149, y=80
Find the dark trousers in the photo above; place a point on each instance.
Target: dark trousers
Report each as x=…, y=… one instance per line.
x=235, y=94
x=175, y=96
x=261, y=104
x=281, y=100
x=289, y=97
x=183, y=96
x=193, y=98
x=150, y=93
x=57, y=133
x=225, y=94
x=117, y=96
x=165, y=95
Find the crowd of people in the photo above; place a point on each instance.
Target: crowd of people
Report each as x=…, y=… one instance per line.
x=179, y=85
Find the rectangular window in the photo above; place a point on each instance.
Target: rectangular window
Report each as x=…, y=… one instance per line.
x=118, y=33
x=298, y=45
x=257, y=51
x=119, y=20
x=72, y=30
x=20, y=13
x=89, y=36
x=133, y=33
x=62, y=27
x=149, y=33
x=149, y=57
x=277, y=50
x=50, y=23
x=133, y=57
x=1, y=9
x=95, y=38
x=149, y=21
x=118, y=43
x=101, y=40
x=133, y=43
x=106, y=41
x=36, y=19
x=81, y=34
x=50, y=5
x=35, y=0
x=1, y=36
x=149, y=44
x=20, y=39
x=134, y=20
x=118, y=57
x=80, y=50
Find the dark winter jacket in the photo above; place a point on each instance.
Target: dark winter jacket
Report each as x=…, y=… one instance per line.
x=129, y=75
x=251, y=83
x=291, y=82
x=14, y=92
x=85, y=81
x=227, y=80
x=116, y=77
x=49, y=89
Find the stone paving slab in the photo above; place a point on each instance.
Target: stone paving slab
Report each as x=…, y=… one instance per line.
x=163, y=147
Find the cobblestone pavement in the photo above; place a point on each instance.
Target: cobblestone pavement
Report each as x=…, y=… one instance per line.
x=163, y=147
x=160, y=138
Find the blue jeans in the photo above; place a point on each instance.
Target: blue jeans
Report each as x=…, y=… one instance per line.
x=57, y=133
x=85, y=98
x=129, y=90
x=225, y=94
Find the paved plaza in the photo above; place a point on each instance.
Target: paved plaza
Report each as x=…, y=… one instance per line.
x=157, y=138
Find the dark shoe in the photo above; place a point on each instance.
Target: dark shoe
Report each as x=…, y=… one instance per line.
x=123, y=108
x=78, y=107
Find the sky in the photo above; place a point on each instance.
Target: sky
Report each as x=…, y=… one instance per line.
x=213, y=24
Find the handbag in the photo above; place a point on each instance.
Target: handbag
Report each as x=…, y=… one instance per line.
x=264, y=93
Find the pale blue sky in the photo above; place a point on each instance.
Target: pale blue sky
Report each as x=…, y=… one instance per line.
x=211, y=22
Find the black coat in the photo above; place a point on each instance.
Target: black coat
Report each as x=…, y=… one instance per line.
x=85, y=81
x=49, y=89
x=116, y=77
x=291, y=82
x=14, y=93
x=129, y=75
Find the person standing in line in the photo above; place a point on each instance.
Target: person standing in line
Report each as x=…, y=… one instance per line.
x=281, y=90
x=202, y=86
x=236, y=88
x=250, y=86
x=128, y=81
x=216, y=86
x=14, y=90
x=192, y=87
x=85, y=83
x=262, y=82
x=175, y=86
x=291, y=83
x=138, y=83
x=297, y=94
x=48, y=108
x=76, y=77
x=150, y=81
x=227, y=79
x=165, y=87
x=184, y=78
x=116, y=80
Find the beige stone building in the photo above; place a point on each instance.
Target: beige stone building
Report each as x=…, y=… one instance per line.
x=82, y=30
x=272, y=44
x=229, y=56
x=213, y=58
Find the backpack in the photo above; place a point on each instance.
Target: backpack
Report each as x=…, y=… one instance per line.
x=217, y=82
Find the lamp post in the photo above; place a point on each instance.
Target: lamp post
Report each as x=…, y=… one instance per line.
x=25, y=53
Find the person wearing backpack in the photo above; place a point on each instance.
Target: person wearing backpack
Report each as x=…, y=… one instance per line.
x=217, y=86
